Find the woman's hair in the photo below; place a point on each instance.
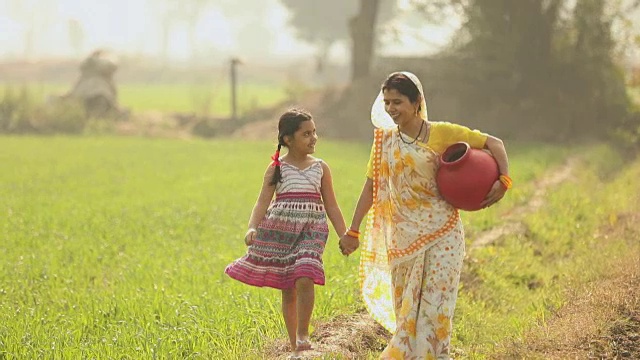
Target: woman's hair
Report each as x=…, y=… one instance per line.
x=403, y=85
x=289, y=123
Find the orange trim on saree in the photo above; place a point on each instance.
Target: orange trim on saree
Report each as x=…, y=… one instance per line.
x=451, y=223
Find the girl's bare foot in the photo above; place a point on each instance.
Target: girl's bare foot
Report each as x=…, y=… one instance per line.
x=303, y=344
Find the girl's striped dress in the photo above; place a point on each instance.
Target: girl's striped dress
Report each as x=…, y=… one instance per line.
x=291, y=237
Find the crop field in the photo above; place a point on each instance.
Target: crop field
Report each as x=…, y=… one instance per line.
x=115, y=247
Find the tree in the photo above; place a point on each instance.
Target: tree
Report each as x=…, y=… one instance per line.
x=599, y=83
x=185, y=11
x=541, y=67
x=324, y=23
x=321, y=23
x=362, y=28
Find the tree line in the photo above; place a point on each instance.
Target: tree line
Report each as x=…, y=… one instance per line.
x=537, y=69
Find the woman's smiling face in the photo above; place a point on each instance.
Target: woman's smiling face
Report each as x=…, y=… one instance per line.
x=399, y=107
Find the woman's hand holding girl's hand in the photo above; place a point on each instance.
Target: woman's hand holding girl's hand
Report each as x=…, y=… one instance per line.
x=495, y=194
x=250, y=236
x=348, y=244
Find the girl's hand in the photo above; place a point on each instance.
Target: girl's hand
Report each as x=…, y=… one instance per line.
x=348, y=244
x=495, y=194
x=250, y=236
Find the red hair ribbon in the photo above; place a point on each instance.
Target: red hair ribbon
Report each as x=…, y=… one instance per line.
x=276, y=158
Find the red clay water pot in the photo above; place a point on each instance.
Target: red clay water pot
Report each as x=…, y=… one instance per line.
x=465, y=176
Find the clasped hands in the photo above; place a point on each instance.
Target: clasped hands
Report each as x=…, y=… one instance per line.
x=348, y=244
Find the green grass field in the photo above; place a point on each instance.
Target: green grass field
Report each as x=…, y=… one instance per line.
x=115, y=247
x=199, y=98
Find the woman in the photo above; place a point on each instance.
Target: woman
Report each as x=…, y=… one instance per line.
x=414, y=245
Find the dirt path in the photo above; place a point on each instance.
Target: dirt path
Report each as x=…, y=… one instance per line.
x=599, y=321
x=343, y=337
x=512, y=221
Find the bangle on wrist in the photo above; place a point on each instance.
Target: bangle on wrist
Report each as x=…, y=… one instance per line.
x=353, y=233
x=506, y=181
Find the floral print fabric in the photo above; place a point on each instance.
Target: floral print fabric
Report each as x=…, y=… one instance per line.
x=412, y=253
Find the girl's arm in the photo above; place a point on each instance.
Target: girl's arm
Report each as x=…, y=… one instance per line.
x=261, y=206
x=349, y=244
x=330, y=203
x=496, y=146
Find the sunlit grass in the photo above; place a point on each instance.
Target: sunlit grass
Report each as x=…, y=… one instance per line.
x=115, y=247
x=518, y=283
x=527, y=162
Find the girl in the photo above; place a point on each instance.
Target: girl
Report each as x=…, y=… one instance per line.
x=287, y=236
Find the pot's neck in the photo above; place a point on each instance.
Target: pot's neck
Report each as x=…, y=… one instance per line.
x=455, y=155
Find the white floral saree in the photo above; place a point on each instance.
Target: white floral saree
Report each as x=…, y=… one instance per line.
x=413, y=251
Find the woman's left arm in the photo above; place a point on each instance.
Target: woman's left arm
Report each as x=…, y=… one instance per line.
x=330, y=203
x=496, y=146
x=497, y=149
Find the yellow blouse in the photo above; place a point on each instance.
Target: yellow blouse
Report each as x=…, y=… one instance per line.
x=443, y=134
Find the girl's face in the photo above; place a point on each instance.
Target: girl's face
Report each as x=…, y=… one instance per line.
x=304, y=139
x=399, y=107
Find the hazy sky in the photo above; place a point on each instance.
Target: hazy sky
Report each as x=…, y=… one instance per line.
x=130, y=26
x=134, y=27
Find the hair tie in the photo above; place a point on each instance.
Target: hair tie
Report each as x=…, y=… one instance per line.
x=276, y=158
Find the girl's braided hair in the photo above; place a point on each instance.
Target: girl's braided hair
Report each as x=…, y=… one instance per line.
x=288, y=124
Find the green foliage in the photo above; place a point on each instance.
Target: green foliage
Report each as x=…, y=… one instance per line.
x=67, y=117
x=20, y=113
x=16, y=110
x=634, y=93
x=548, y=66
x=627, y=136
x=597, y=82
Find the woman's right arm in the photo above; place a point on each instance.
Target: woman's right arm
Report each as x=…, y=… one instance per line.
x=364, y=204
x=261, y=206
x=349, y=244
